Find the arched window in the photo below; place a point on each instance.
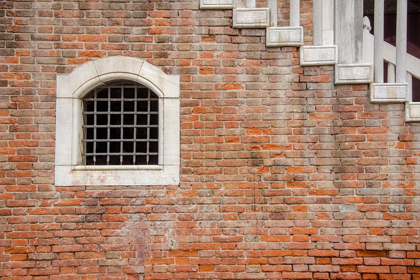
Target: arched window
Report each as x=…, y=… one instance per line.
x=121, y=125
x=117, y=123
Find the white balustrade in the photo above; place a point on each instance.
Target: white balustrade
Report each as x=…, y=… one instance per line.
x=337, y=27
x=396, y=89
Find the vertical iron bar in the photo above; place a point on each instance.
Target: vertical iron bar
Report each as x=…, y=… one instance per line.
x=108, y=128
x=135, y=123
x=84, y=157
x=95, y=106
x=148, y=127
x=122, y=126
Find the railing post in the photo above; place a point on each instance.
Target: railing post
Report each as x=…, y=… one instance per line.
x=317, y=22
x=401, y=41
x=410, y=87
x=391, y=73
x=294, y=13
x=379, y=41
x=368, y=42
x=323, y=20
x=349, y=31
x=250, y=3
x=239, y=3
x=272, y=4
x=328, y=7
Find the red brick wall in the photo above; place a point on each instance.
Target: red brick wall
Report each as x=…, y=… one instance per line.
x=283, y=174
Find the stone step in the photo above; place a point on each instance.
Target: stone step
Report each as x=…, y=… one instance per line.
x=216, y=4
x=251, y=17
x=258, y=18
x=388, y=92
x=284, y=36
x=412, y=112
x=353, y=74
x=318, y=55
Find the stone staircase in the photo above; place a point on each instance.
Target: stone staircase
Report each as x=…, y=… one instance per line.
x=323, y=52
x=353, y=54
x=248, y=16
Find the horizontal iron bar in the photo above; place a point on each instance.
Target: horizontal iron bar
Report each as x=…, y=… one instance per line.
x=119, y=140
x=120, y=154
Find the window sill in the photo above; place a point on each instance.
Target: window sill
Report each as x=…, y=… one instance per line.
x=117, y=175
x=116, y=167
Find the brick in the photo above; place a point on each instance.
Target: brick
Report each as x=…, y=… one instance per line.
x=183, y=253
x=42, y=256
x=296, y=275
x=373, y=269
x=275, y=238
x=89, y=255
x=67, y=248
x=92, y=38
x=371, y=253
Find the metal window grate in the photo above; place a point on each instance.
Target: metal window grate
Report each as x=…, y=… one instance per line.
x=121, y=125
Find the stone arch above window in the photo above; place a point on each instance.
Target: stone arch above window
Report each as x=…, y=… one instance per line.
x=73, y=87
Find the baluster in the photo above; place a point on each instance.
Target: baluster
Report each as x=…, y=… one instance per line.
x=328, y=7
x=317, y=22
x=391, y=73
x=272, y=4
x=294, y=13
x=401, y=41
x=323, y=18
x=379, y=41
x=250, y=3
x=410, y=87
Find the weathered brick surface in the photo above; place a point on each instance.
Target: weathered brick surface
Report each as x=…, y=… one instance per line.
x=283, y=174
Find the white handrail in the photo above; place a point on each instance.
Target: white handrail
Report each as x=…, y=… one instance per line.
x=413, y=63
x=389, y=53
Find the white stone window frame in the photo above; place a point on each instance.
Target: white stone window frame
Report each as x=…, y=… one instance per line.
x=70, y=90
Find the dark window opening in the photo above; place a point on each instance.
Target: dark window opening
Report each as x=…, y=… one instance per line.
x=121, y=125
